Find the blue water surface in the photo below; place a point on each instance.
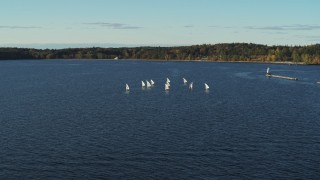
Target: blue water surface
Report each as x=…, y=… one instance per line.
x=73, y=119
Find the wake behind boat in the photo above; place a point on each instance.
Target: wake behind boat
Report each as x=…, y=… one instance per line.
x=268, y=74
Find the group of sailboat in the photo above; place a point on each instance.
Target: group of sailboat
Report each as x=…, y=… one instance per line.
x=167, y=85
x=149, y=84
x=143, y=85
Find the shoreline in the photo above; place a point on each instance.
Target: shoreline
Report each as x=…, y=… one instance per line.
x=223, y=52
x=160, y=60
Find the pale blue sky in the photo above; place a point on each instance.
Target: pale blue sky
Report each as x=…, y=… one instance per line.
x=159, y=22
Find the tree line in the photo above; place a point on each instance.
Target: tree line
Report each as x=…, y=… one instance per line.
x=218, y=52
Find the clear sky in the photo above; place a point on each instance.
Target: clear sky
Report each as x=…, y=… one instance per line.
x=159, y=22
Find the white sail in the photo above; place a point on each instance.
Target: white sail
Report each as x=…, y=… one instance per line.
x=268, y=70
x=206, y=87
x=152, y=82
x=166, y=86
x=191, y=85
x=143, y=84
x=184, y=80
x=168, y=80
x=127, y=87
x=148, y=84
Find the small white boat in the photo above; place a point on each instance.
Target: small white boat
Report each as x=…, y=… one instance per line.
x=148, y=84
x=268, y=71
x=152, y=82
x=191, y=85
x=168, y=81
x=166, y=87
x=127, y=87
x=318, y=82
x=184, y=81
x=143, y=84
x=206, y=87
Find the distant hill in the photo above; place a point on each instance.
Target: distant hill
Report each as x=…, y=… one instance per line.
x=206, y=52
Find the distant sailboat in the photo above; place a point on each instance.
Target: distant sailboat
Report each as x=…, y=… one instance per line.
x=206, y=87
x=143, y=84
x=268, y=71
x=168, y=81
x=152, y=82
x=191, y=85
x=166, y=87
x=184, y=81
x=127, y=87
x=148, y=84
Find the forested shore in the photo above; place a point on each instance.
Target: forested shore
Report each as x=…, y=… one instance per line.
x=218, y=52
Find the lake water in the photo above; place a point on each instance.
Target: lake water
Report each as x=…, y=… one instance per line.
x=70, y=119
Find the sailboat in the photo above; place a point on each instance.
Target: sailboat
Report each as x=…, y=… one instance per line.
x=268, y=72
x=184, y=81
x=191, y=85
x=143, y=84
x=127, y=87
x=168, y=81
x=148, y=84
x=206, y=87
x=152, y=82
x=166, y=86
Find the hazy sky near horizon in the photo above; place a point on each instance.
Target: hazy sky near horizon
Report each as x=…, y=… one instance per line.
x=160, y=22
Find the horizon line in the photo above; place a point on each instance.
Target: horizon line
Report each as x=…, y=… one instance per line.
x=120, y=45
